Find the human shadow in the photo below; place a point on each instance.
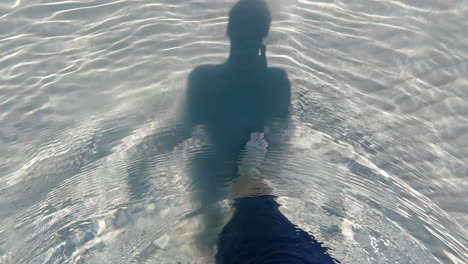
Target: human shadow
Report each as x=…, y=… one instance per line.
x=230, y=101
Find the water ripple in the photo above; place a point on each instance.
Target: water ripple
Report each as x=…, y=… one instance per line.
x=92, y=169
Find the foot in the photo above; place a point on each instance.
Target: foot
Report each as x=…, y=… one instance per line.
x=250, y=181
x=254, y=155
x=257, y=142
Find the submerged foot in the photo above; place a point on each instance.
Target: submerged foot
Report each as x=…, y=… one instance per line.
x=250, y=181
x=254, y=155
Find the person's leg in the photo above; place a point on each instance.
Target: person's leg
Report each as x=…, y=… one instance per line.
x=251, y=181
x=258, y=232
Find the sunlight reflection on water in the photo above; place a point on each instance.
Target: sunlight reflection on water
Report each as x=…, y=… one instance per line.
x=90, y=92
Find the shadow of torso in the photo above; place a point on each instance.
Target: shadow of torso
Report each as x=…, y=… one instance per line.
x=232, y=101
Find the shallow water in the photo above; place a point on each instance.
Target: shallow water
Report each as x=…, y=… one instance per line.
x=92, y=169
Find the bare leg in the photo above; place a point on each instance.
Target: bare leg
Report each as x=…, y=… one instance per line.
x=250, y=181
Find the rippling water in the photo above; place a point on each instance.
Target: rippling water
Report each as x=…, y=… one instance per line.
x=90, y=99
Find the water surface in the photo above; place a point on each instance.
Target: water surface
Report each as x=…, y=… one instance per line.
x=93, y=168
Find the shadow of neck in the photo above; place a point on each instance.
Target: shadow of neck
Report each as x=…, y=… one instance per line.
x=247, y=58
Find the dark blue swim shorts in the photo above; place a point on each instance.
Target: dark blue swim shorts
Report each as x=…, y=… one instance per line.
x=258, y=233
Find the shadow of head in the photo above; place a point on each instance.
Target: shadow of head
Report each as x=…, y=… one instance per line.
x=249, y=22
